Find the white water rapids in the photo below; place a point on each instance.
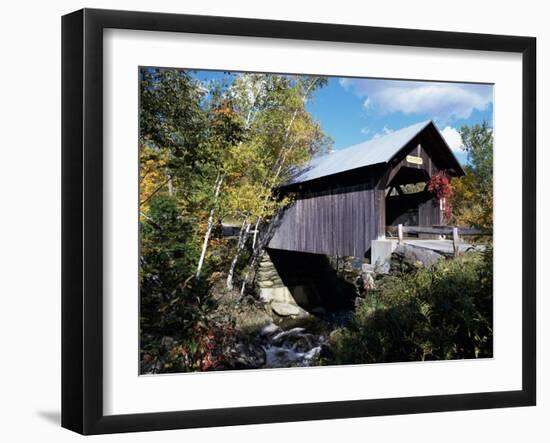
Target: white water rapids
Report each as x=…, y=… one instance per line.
x=292, y=348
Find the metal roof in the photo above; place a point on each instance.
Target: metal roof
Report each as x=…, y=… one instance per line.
x=377, y=150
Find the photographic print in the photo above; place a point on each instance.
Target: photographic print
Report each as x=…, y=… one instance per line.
x=280, y=203
x=298, y=220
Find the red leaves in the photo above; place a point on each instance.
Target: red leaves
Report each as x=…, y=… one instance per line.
x=209, y=343
x=440, y=185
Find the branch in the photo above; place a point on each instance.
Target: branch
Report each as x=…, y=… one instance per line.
x=155, y=191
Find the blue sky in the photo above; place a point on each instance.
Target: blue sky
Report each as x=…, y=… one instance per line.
x=353, y=110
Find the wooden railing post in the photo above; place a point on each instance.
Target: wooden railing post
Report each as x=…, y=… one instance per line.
x=456, y=240
x=400, y=233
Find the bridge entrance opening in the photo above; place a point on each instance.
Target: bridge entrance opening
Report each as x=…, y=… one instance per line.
x=408, y=202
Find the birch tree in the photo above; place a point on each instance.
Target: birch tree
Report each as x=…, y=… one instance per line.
x=247, y=93
x=302, y=138
x=283, y=135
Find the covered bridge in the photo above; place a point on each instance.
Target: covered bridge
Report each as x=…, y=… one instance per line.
x=344, y=200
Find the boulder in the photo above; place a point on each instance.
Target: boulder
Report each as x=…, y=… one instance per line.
x=368, y=281
x=382, y=267
x=285, y=309
x=270, y=329
x=414, y=257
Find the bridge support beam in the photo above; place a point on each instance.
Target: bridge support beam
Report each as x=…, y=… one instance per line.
x=381, y=251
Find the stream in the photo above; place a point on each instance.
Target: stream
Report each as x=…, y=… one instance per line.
x=294, y=347
x=299, y=342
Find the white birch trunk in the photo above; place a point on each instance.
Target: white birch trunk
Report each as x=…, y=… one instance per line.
x=254, y=256
x=210, y=224
x=279, y=163
x=257, y=249
x=251, y=116
x=240, y=245
x=170, y=186
x=255, y=236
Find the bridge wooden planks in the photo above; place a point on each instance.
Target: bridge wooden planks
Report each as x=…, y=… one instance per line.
x=342, y=222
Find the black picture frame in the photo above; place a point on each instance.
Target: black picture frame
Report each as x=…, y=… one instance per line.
x=82, y=218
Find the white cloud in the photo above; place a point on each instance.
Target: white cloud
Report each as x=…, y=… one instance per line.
x=365, y=131
x=345, y=82
x=442, y=101
x=453, y=139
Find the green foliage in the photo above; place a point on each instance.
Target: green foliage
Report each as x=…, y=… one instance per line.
x=169, y=250
x=478, y=142
x=171, y=117
x=279, y=134
x=412, y=188
x=431, y=314
x=175, y=326
x=472, y=199
x=208, y=151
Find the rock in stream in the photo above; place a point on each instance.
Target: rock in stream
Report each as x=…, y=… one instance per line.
x=292, y=348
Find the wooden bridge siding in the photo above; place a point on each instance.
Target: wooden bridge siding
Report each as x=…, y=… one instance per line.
x=429, y=213
x=342, y=222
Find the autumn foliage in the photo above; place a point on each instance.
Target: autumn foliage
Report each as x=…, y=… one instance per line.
x=472, y=197
x=210, y=152
x=440, y=186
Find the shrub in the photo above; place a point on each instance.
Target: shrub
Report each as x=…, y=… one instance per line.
x=174, y=306
x=440, y=313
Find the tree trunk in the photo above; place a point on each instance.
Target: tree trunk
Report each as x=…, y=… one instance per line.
x=260, y=246
x=251, y=116
x=255, y=236
x=240, y=246
x=254, y=256
x=170, y=184
x=210, y=224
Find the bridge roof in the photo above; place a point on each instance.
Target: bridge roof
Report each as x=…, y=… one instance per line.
x=375, y=151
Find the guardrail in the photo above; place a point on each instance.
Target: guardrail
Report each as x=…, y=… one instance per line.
x=456, y=232
x=230, y=231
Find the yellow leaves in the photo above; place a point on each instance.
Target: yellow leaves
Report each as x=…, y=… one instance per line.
x=243, y=159
x=152, y=173
x=225, y=110
x=471, y=205
x=250, y=200
x=463, y=188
